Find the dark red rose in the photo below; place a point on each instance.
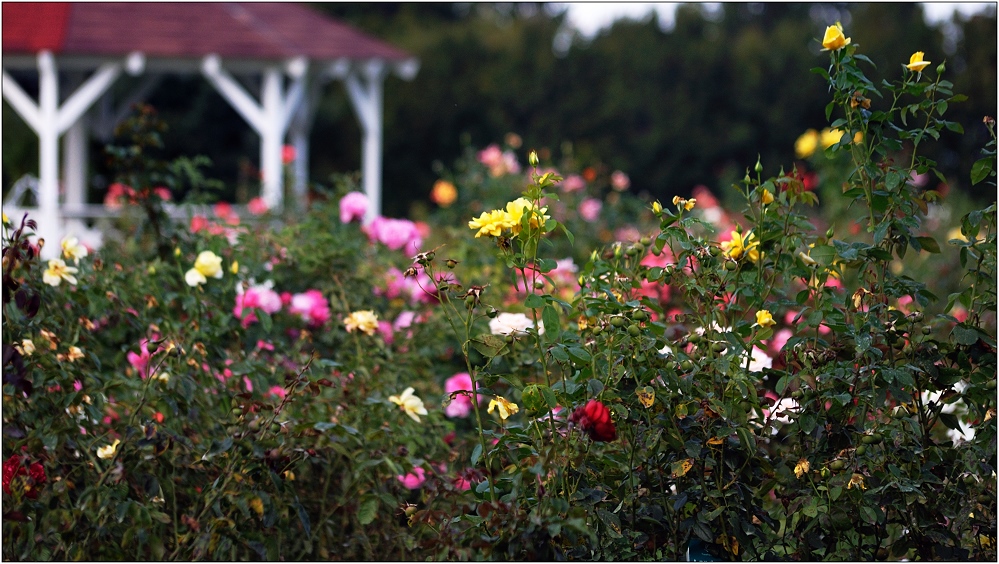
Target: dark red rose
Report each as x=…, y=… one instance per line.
x=14, y=467
x=595, y=419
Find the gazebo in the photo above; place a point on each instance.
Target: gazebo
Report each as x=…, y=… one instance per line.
x=284, y=54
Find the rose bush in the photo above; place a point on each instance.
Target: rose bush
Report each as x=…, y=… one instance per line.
x=561, y=371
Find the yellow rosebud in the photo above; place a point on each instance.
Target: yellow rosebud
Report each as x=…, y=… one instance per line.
x=689, y=204
x=235, y=267
x=767, y=197
x=657, y=208
x=765, y=319
x=916, y=62
x=834, y=39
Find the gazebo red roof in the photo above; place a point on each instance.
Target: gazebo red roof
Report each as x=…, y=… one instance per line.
x=244, y=30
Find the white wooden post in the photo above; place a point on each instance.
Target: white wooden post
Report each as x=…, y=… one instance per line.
x=270, y=118
x=366, y=99
x=49, y=121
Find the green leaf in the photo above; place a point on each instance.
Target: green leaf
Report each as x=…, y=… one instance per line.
x=534, y=301
x=929, y=244
x=579, y=355
x=594, y=387
x=367, y=510
x=476, y=454
x=965, y=335
x=981, y=169
x=551, y=320
x=303, y=517
x=488, y=345
x=868, y=515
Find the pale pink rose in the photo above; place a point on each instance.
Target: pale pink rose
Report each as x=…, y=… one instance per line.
x=396, y=234
x=619, y=181
x=573, y=183
x=780, y=339
x=260, y=297
x=414, y=479
x=248, y=383
x=404, y=320
x=491, y=156
x=257, y=206
x=589, y=209
x=353, y=206
x=311, y=306
x=140, y=362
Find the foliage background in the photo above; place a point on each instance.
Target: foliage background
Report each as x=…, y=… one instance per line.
x=658, y=104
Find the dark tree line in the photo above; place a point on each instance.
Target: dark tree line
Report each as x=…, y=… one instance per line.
x=674, y=108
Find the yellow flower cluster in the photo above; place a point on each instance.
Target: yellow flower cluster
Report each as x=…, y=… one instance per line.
x=493, y=223
x=810, y=140
x=684, y=203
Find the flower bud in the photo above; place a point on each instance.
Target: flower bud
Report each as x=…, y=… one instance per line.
x=759, y=166
x=532, y=158
x=941, y=68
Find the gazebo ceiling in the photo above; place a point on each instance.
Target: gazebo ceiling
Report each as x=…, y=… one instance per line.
x=266, y=32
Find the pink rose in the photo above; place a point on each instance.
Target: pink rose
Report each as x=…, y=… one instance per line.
x=573, y=183
x=414, y=479
x=589, y=209
x=311, y=306
x=257, y=206
x=353, y=206
x=140, y=362
x=461, y=404
x=395, y=234
x=620, y=181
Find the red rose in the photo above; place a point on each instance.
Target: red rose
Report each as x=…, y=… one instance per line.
x=594, y=418
x=13, y=467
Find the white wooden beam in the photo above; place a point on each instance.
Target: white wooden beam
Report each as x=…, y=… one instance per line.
x=270, y=118
x=366, y=99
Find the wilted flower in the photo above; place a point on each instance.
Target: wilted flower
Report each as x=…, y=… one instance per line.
x=443, y=193
x=74, y=354
x=594, y=418
x=834, y=38
x=503, y=407
x=412, y=405
x=207, y=265
x=856, y=480
x=916, y=62
x=353, y=206
x=365, y=321
x=801, y=468
x=72, y=249
x=26, y=348
x=106, y=452
x=57, y=272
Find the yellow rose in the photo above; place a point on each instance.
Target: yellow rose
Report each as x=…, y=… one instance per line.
x=106, y=452
x=830, y=137
x=741, y=245
x=916, y=62
x=503, y=406
x=443, y=193
x=365, y=321
x=491, y=223
x=72, y=249
x=412, y=405
x=834, y=39
x=207, y=265
x=806, y=144
x=57, y=272
x=767, y=197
